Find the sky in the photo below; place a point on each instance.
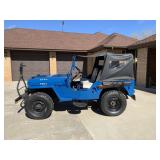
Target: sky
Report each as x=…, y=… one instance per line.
x=134, y=28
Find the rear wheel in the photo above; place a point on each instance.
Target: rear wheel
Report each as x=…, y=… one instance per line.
x=39, y=106
x=113, y=103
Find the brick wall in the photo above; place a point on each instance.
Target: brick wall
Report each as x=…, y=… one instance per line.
x=52, y=62
x=141, y=66
x=90, y=63
x=7, y=66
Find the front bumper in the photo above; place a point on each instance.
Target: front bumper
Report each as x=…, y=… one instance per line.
x=22, y=97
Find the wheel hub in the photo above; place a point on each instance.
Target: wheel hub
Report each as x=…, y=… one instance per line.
x=113, y=103
x=39, y=106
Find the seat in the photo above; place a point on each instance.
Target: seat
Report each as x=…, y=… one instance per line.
x=86, y=84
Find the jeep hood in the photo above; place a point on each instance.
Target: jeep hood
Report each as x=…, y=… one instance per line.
x=47, y=80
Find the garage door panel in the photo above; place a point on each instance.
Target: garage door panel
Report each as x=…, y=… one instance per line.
x=64, y=61
x=151, y=69
x=36, y=63
x=29, y=55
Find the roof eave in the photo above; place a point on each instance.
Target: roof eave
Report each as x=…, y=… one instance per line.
x=42, y=49
x=100, y=47
x=142, y=45
x=110, y=46
x=106, y=46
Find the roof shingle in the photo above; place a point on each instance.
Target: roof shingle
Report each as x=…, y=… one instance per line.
x=117, y=40
x=51, y=40
x=143, y=42
x=20, y=38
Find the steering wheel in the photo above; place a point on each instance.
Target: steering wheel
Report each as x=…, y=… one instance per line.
x=78, y=75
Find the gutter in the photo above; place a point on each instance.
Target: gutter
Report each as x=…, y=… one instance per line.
x=40, y=49
x=142, y=45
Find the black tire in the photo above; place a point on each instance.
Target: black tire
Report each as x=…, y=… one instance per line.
x=113, y=103
x=39, y=106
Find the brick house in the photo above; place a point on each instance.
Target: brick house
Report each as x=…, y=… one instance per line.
x=50, y=52
x=145, y=51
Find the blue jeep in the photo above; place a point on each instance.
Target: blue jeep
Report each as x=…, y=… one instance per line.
x=110, y=84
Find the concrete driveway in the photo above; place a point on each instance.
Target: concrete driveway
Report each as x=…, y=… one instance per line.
x=137, y=122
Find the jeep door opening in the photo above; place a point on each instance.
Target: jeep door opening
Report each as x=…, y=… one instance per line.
x=110, y=84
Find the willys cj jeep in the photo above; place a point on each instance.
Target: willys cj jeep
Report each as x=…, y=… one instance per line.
x=110, y=84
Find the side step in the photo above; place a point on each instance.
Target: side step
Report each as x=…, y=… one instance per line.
x=80, y=104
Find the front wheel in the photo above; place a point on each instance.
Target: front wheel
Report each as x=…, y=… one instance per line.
x=39, y=106
x=113, y=103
